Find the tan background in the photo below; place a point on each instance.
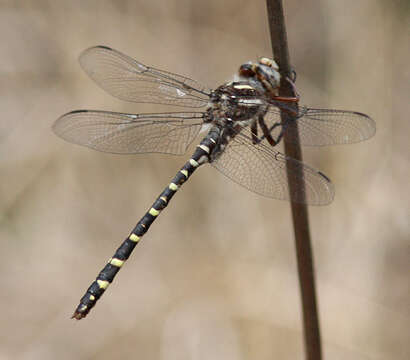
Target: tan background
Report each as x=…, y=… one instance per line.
x=215, y=278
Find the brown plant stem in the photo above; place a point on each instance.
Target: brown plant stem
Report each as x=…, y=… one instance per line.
x=299, y=211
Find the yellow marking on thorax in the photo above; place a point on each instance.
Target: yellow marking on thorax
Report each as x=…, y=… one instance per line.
x=193, y=162
x=212, y=140
x=116, y=262
x=92, y=297
x=184, y=172
x=134, y=238
x=164, y=199
x=243, y=86
x=103, y=284
x=173, y=187
x=154, y=212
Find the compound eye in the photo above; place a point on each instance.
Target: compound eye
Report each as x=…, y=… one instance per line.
x=269, y=62
x=246, y=70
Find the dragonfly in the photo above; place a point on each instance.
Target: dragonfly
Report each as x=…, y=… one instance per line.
x=241, y=124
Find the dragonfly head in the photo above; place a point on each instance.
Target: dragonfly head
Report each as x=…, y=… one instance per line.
x=269, y=62
x=263, y=74
x=247, y=70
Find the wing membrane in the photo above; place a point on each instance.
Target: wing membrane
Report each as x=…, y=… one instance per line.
x=264, y=171
x=120, y=133
x=320, y=127
x=130, y=80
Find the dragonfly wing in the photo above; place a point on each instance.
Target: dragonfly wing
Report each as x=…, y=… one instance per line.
x=319, y=127
x=129, y=80
x=265, y=171
x=169, y=133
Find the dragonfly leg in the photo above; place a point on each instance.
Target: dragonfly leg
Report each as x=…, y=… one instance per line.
x=258, y=140
x=292, y=84
x=266, y=132
x=293, y=75
x=254, y=131
x=289, y=99
x=279, y=138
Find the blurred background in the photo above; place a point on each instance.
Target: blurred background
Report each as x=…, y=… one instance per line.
x=216, y=277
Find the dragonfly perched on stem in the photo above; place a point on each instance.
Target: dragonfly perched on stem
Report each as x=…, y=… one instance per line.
x=243, y=124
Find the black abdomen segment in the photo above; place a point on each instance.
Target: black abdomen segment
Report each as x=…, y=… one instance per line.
x=107, y=274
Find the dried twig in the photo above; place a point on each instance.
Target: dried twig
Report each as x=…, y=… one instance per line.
x=299, y=211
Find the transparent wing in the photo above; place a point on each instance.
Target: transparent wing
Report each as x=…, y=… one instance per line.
x=319, y=127
x=129, y=80
x=263, y=170
x=169, y=133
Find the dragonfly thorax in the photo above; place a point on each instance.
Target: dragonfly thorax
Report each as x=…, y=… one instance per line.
x=236, y=102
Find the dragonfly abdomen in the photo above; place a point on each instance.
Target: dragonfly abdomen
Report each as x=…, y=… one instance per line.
x=107, y=274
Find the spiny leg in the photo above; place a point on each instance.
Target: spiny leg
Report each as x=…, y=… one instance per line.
x=291, y=81
x=288, y=99
x=254, y=131
x=293, y=75
x=107, y=274
x=267, y=132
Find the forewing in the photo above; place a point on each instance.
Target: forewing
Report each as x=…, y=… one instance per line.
x=319, y=127
x=129, y=80
x=264, y=171
x=120, y=133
